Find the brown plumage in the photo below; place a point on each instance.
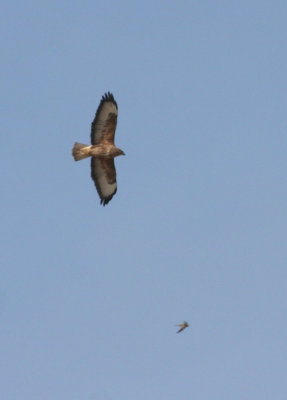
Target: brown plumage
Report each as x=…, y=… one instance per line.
x=102, y=148
x=182, y=326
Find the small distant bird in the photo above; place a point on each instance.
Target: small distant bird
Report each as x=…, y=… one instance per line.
x=182, y=326
x=102, y=149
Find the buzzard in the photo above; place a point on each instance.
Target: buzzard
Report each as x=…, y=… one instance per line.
x=102, y=149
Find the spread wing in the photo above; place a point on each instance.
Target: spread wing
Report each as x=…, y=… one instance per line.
x=105, y=121
x=182, y=326
x=104, y=175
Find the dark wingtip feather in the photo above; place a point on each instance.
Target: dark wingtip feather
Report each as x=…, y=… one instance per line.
x=106, y=200
x=109, y=97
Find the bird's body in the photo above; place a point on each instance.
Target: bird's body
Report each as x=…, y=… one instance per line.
x=182, y=326
x=81, y=151
x=102, y=148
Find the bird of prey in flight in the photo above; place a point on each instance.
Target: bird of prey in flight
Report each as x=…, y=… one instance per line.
x=102, y=149
x=182, y=326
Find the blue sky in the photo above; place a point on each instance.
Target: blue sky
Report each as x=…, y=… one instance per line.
x=90, y=295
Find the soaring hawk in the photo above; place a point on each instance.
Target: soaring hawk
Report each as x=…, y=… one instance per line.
x=102, y=149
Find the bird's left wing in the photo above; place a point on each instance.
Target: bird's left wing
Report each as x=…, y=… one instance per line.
x=105, y=121
x=104, y=175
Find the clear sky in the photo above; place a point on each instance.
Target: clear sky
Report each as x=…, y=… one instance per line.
x=90, y=295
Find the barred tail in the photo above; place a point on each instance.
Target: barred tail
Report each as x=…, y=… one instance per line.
x=80, y=151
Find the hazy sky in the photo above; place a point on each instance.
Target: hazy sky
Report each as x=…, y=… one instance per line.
x=90, y=295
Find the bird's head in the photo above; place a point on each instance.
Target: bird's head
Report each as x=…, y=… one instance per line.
x=120, y=152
